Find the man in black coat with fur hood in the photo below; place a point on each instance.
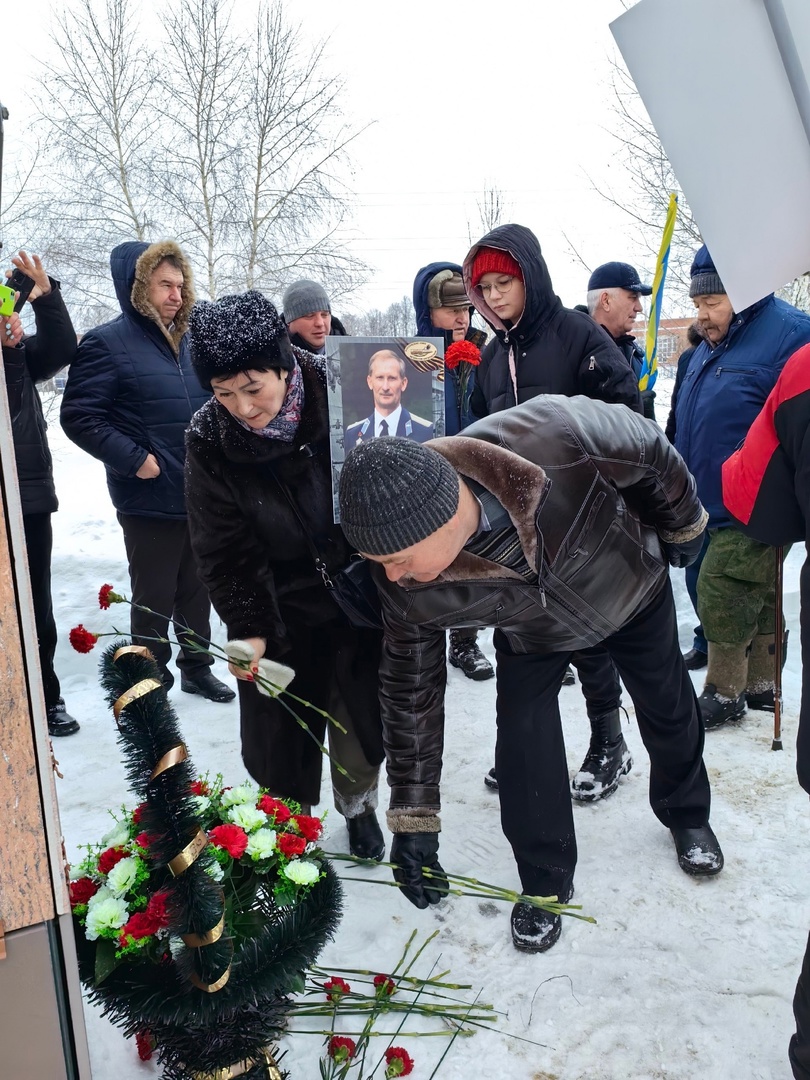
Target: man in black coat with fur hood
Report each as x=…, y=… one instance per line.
x=540, y=347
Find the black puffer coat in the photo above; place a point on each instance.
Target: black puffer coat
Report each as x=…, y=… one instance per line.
x=592, y=491
x=254, y=559
x=556, y=351
x=40, y=356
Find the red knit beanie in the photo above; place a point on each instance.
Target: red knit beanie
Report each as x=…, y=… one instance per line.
x=491, y=260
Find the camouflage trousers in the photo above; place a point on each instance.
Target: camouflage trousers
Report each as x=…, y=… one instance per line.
x=736, y=588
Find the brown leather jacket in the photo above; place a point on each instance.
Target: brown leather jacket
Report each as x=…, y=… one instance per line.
x=593, y=489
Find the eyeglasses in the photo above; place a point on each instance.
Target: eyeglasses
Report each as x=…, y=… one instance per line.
x=502, y=287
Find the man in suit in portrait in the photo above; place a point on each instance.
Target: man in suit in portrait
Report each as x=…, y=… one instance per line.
x=387, y=380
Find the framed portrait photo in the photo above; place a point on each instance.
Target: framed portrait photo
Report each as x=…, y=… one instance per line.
x=379, y=387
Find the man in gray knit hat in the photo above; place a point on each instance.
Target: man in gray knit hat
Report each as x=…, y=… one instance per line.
x=308, y=315
x=554, y=522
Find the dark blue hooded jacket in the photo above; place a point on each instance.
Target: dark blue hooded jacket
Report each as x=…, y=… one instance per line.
x=725, y=386
x=457, y=413
x=132, y=391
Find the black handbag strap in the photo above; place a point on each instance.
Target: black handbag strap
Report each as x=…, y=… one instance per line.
x=320, y=565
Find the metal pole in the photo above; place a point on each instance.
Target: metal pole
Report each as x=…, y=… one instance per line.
x=777, y=655
x=786, y=44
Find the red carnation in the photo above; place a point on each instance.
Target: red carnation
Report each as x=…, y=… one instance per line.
x=335, y=988
x=275, y=808
x=137, y=813
x=157, y=908
x=145, y=1041
x=107, y=596
x=199, y=787
x=290, y=845
x=309, y=827
x=385, y=986
x=398, y=1062
x=82, y=890
x=231, y=838
x=140, y=925
x=145, y=840
x=461, y=352
x=341, y=1048
x=108, y=859
x=82, y=640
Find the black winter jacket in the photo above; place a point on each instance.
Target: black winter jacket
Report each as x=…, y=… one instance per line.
x=37, y=359
x=634, y=355
x=592, y=491
x=132, y=390
x=555, y=350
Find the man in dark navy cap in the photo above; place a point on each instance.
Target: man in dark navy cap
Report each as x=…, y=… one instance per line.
x=614, y=289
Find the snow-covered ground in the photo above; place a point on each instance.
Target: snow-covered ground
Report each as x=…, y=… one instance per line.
x=679, y=979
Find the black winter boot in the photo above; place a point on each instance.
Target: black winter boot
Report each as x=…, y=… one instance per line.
x=723, y=697
x=717, y=709
x=607, y=760
x=760, y=688
x=207, y=685
x=365, y=837
x=569, y=678
x=695, y=660
x=60, y=722
x=465, y=655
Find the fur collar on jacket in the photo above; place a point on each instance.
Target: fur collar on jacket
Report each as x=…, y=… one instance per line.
x=144, y=267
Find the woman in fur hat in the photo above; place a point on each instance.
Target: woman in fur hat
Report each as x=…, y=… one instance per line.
x=258, y=490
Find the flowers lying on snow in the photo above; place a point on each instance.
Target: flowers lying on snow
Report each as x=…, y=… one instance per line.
x=398, y=1062
x=116, y=892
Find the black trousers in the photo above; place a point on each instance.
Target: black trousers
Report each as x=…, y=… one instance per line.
x=530, y=759
x=163, y=577
x=799, y=1050
x=600, y=680
x=39, y=544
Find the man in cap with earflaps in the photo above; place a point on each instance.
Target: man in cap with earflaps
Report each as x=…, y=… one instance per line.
x=555, y=522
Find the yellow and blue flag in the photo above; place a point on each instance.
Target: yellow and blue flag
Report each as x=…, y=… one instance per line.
x=649, y=369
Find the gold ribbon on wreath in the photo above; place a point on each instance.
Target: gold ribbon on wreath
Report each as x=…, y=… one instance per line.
x=231, y=1072
x=139, y=690
x=171, y=757
x=199, y=941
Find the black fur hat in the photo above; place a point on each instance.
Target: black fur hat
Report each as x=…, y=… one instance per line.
x=237, y=333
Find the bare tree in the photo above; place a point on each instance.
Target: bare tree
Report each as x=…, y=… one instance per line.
x=398, y=320
x=493, y=208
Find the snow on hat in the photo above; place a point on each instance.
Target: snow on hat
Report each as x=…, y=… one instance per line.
x=303, y=298
x=446, y=289
x=492, y=260
x=705, y=279
x=393, y=493
x=237, y=333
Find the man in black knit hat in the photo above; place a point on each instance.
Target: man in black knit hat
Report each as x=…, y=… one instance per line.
x=555, y=522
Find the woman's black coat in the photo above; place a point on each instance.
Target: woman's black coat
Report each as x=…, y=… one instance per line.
x=255, y=561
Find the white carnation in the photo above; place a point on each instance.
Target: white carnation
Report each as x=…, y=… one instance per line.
x=110, y=914
x=239, y=651
x=122, y=876
x=116, y=837
x=279, y=675
x=201, y=804
x=99, y=897
x=243, y=793
x=301, y=871
x=261, y=844
x=246, y=816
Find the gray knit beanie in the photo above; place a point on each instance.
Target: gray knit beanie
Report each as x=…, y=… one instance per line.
x=704, y=277
x=393, y=493
x=302, y=298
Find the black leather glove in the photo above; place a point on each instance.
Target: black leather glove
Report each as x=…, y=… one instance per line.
x=683, y=554
x=410, y=852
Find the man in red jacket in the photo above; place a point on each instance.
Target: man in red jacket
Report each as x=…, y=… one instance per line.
x=766, y=487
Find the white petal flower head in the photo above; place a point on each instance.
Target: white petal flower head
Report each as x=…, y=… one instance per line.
x=117, y=836
x=261, y=844
x=110, y=914
x=278, y=675
x=246, y=816
x=243, y=793
x=176, y=946
x=99, y=897
x=122, y=876
x=302, y=871
x=238, y=651
x=201, y=803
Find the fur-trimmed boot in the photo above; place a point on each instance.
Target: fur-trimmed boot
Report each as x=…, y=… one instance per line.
x=760, y=688
x=607, y=760
x=723, y=697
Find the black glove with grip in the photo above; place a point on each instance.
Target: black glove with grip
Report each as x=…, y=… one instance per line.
x=683, y=554
x=410, y=853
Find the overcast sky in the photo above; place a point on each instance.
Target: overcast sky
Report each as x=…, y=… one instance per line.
x=459, y=96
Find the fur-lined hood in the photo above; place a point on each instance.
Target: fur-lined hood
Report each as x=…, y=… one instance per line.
x=131, y=265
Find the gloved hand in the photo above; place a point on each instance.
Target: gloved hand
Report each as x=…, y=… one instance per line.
x=409, y=853
x=683, y=554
